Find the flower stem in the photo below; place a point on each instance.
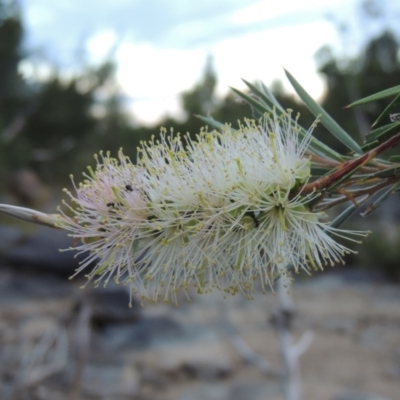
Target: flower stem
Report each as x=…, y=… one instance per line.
x=29, y=215
x=349, y=167
x=289, y=356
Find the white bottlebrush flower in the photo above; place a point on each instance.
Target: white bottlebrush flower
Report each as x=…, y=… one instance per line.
x=220, y=212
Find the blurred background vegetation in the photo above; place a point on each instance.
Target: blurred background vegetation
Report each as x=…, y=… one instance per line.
x=50, y=128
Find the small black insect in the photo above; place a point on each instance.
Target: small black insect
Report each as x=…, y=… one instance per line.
x=112, y=204
x=254, y=218
x=129, y=188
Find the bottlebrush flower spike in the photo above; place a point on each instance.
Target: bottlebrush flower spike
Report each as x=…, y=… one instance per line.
x=215, y=213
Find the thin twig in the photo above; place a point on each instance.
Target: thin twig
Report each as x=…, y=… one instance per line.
x=303, y=344
x=289, y=357
x=250, y=356
x=49, y=356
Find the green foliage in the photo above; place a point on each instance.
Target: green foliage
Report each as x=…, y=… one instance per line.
x=11, y=34
x=380, y=251
x=61, y=113
x=231, y=109
x=348, y=80
x=48, y=124
x=377, y=96
x=201, y=99
x=330, y=124
x=13, y=90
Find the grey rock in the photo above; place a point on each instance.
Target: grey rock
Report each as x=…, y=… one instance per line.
x=346, y=325
x=373, y=337
x=236, y=391
x=40, y=251
x=359, y=396
x=206, y=371
x=110, y=381
x=9, y=236
x=19, y=287
x=209, y=392
x=255, y=391
x=110, y=305
x=146, y=332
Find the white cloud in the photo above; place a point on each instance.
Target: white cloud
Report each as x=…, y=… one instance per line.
x=162, y=46
x=99, y=45
x=148, y=71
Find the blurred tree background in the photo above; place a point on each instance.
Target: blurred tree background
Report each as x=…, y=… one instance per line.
x=51, y=126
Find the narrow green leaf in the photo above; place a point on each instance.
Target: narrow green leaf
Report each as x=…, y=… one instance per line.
x=270, y=94
x=325, y=118
x=373, y=206
x=385, y=173
x=322, y=150
x=380, y=135
x=370, y=145
x=383, y=133
x=211, y=121
x=316, y=146
x=394, y=159
x=377, y=96
x=258, y=106
x=320, y=171
x=395, y=102
x=267, y=97
x=344, y=216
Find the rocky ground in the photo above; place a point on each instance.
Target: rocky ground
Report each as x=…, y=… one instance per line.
x=60, y=342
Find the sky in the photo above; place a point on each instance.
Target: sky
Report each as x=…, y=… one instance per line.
x=161, y=47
